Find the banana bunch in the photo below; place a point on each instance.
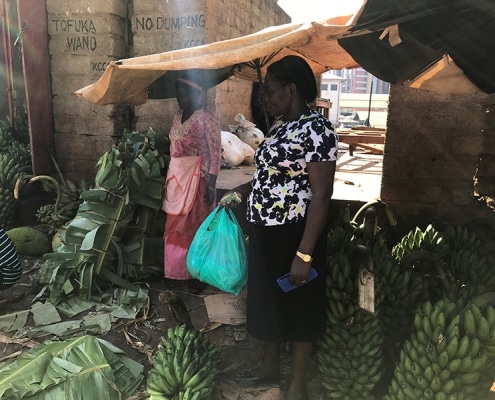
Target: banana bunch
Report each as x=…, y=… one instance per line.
x=446, y=357
x=473, y=275
x=421, y=257
x=18, y=129
x=184, y=366
x=350, y=352
x=350, y=358
x=12, y=165
x=340, y=234
x=430, y=240
x=21, y=153
x=66, y=204
x=341, y=288
x=398, y=291
x=5, y=139
x=459, y=237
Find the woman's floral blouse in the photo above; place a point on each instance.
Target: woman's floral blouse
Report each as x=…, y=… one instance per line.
x=280, y=186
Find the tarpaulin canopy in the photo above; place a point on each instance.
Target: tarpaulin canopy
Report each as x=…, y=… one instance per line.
x=441, y=45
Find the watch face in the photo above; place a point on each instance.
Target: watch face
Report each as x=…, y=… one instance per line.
x=304, y=257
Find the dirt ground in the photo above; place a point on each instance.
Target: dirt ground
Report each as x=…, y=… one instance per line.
x=239, y=352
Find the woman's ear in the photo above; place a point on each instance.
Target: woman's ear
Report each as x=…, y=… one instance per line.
x=292, y=90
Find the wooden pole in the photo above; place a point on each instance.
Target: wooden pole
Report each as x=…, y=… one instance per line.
x=260, y=80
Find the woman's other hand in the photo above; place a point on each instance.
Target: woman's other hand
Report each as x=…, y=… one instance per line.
x=230, y=200
x=210, y=195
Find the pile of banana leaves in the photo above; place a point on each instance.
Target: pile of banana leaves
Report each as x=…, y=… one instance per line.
x=81, y=368
x=117, y=226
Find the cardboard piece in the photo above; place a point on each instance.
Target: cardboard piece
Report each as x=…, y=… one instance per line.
x=231, y=391
x=226, y=308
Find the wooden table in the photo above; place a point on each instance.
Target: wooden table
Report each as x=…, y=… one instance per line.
x=369, y=139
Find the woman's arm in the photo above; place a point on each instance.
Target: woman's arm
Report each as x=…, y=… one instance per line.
x=321, y=177
x=214, y=152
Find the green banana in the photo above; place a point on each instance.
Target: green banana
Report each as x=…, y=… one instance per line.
x=463, y=347
x=454, y=365
x=483, y=330
x=443, y=359
x=449, y=386
x=469, y=378
x=469, y=323
x=474, y=347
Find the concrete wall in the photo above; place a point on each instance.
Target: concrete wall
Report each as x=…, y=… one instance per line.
x=86, y=35
x=235, y=19
x=432, y=154
x=484, y=184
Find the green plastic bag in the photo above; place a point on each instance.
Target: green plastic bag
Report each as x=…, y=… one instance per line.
x=217, y=254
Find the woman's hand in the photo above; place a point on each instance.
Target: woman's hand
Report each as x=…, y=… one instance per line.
x=211, y=189
x=299, y=271
x=210, y=195
x=230, y=200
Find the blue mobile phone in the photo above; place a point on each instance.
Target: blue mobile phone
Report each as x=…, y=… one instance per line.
x=287, y=286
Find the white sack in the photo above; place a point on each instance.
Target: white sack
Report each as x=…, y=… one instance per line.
x=247, y=131
x=234, y=151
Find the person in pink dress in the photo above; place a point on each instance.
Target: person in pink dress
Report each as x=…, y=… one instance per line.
x=190, y=186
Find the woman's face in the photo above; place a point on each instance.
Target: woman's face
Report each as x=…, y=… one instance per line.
x=184, y=98
x=275, y=97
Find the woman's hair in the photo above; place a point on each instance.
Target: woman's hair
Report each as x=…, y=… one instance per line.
x=294, y=69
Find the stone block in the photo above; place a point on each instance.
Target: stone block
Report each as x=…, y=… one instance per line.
x=432, y=169
x=85, y=24
x=99, y=47
x=88, y=125
x=158, y=127
x=168, y=7
x=470, y=143
x=412, y=192
x=78, y=71
x=76, y=170
x=82, y=146
x=83, y=7
x=66, y=85
x=462, y=196
x=71, y=104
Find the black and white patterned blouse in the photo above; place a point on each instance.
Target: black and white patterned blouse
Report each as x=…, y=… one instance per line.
x=10, y=265
x=280, y=185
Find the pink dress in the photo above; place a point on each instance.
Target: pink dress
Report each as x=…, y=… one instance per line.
x=199, y=136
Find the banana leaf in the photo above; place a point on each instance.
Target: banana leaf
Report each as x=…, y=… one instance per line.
x=128, y=192
x=80, y=368
x=122, y=303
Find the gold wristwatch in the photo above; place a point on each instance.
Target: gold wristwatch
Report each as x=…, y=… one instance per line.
x=305, y=257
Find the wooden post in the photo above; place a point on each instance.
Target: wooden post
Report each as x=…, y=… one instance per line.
x=361, y=260
x=34, y=41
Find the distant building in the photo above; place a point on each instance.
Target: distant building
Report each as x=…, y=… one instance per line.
x=356, y=96
x=331, y=89
x=358, y=80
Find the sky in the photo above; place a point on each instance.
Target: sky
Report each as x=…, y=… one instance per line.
x=315, y=10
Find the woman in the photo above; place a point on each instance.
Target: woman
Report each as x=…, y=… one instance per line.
x=195, y=159
x=287, y=205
